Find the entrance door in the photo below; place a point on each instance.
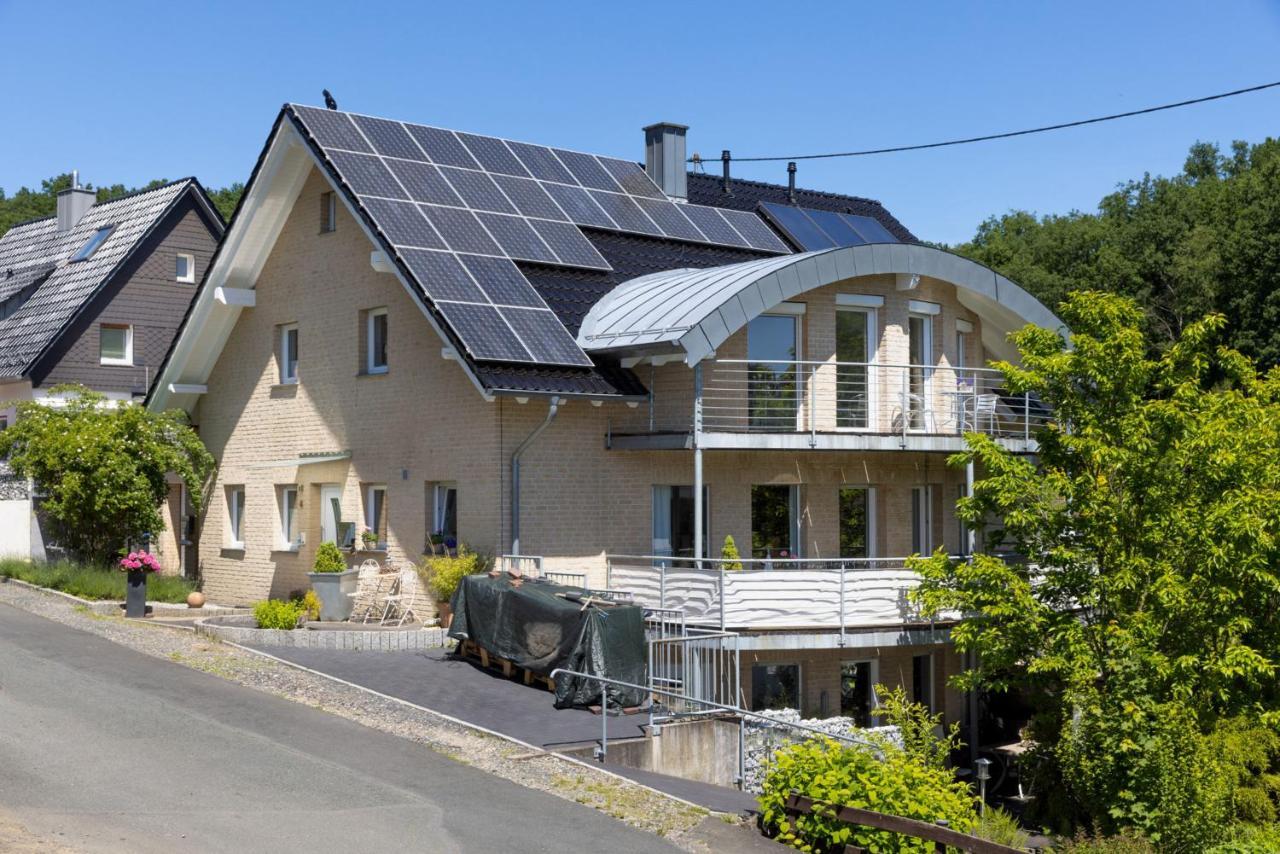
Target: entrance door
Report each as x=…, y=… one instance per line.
x=330, y=512
x=855, y=349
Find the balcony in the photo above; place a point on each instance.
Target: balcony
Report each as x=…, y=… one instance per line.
x=778, y=594
x=830, y=405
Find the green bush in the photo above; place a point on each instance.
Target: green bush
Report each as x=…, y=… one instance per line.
x=1254, y=805
x=277, y=614
x=329, y=559
x=729, y=554
x=443, y=573
x=93, y=582
x=998, y=826
x=1250, y=839
x=1126, y=842
x=882, y=778
x=310, y=603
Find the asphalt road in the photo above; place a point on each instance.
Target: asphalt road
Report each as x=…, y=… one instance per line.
x=106, y=749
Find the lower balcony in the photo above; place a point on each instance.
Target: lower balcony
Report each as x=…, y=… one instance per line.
x=829, y=406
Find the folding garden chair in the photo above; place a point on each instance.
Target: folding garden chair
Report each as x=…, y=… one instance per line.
x=409, y=598
x=372, y=587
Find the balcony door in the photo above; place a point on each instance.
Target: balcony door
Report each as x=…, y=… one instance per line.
x=673, y=516
x=919, y=371
x=855, y=350
x=857, y=522
x=773, y=379
x=775, y=521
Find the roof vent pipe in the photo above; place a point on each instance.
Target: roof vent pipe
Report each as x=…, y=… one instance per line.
x=73, y=203
x=724, y=160
x=791, y=181
x=664, y=158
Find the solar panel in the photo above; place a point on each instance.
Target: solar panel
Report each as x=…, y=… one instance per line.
x=424, y=183
x=484, y=333
x=389, y=138
x=543, y=333
x=836, y=227
x=816, y=229
x=333, y=130
x=632, y=178
x=502, y=281
x=367, y=175
x=799, y=227
x=529, y=197
x=443, y=275
x=871, y=229
x=517, y=238
x=461, y=230
x=581, y=208
x=588, y=170
x=668, y=217
x=493, y=154
x=750, y=226
x=442, y=146
x=477, y=190
x=402, y=223
x=624, y=211
x=541, y=162
x=569, y=244
x=713, y=225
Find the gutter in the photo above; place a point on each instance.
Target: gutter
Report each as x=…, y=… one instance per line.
x=552, y=410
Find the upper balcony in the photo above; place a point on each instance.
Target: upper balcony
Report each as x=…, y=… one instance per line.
x=828, y=405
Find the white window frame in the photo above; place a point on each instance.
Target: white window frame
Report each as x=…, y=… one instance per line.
x=128, y=345
x=370, y=504
x=287, y=356
x=330, y=223
x=189, y=277
x=369, y=349
x=330, y=521
x=868, y=307
x=922, y=519
x=439, y=496
x=871, y=515
x=289, y=518
x=795, y=311
x=235, y=516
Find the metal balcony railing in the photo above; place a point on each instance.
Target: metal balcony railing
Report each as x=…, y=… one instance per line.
x=827, y=397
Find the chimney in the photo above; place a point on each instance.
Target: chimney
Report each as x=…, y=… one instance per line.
x=73, y=203
x=664, y=158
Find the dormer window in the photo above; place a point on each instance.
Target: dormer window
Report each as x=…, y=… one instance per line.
x=186, y=268
x=91, y=245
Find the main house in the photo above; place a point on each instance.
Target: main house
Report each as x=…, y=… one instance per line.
x=93, y=296
x=413, y=331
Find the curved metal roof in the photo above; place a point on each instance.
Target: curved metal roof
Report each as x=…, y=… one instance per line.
x=696, y=310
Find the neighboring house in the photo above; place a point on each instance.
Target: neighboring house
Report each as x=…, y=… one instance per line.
x=545, y=352
x=93, y=295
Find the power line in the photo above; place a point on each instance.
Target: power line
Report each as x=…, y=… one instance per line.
x=1006, y=135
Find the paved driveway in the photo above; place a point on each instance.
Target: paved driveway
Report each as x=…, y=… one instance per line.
x=107, y=749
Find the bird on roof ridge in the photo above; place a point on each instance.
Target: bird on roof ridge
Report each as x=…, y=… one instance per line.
x=328, y=100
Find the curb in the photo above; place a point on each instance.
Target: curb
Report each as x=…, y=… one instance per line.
x=353, y=640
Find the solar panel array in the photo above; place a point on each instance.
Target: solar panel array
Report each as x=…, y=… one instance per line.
x=461, y=208
x=815, y=229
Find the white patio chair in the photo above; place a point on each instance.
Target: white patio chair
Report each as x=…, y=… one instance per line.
x=372, y=587
x=409, y=598
x=984, y=409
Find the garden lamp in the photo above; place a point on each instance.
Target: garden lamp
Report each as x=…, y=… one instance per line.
x=984, y=774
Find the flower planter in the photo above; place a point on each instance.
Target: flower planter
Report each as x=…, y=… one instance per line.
x=135, y=599
x=337, y=592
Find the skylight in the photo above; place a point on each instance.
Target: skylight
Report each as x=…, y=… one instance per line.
x=91, y=245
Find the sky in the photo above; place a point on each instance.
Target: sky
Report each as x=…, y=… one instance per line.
x=128, y=92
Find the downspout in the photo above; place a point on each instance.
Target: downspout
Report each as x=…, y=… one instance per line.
x=515, y=472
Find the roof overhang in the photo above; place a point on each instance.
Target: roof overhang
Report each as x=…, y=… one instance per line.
x=694, y=311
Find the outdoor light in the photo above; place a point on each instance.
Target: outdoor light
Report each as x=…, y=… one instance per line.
x=984, y=774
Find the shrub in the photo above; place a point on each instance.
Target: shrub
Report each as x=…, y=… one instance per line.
x=329, y=559
x=883, y=778
x=729, y=553
x=1254, y=805
x=917, y=727
x=311, y=605
x=443, y=573
x=1250, y=839
x=1126, y=842
x=277, y=614
x=93, y=582
x=998, y=826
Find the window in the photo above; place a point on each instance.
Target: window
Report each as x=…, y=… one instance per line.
x=289, y=354
x=919, y=354
x=288, y=496
x=375, y=516
x=186, y=268
x=115, y=344
x=855, y=349
x=775, y=686
x=443, y=499
x=235, y=517
x=922, y=520
x=857, y=512
x=773, y=385
x=964, y=378
x=673, y=521
x=91, y=245
x=858, y=691
x=922, y=680
x=376, y=342
x=775, y=521
x=328, y=213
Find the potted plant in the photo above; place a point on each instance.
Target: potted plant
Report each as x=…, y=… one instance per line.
x=732, y=560
x=333, y=583
x=369, y=539
x=443, y=573
x=138, y=565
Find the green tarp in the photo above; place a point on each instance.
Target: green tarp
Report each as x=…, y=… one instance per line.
x=534, y=628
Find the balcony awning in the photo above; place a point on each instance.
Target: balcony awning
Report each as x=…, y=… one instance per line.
x=303, y=460
x=694, y=311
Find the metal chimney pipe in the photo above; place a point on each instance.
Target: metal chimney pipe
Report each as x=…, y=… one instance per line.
x=791, y=181
x=664, y=158
x=724, y=161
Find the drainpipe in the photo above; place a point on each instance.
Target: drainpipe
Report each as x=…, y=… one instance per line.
x=515, y=472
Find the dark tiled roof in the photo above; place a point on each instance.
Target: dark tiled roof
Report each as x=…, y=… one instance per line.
x=26, y=333
x=706, y=189
x=604, y=380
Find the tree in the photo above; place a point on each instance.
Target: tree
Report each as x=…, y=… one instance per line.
x=1146, y=607
x=1205, y=240
x=103, y=468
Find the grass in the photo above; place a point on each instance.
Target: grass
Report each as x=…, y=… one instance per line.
x=93, y=582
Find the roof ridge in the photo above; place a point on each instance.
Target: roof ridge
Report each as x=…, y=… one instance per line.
x=755, y=183
x=112, y=199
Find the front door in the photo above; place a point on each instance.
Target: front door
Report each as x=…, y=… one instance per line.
x=330, y=512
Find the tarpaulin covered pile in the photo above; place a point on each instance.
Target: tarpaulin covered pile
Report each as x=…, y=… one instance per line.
x=532, y=627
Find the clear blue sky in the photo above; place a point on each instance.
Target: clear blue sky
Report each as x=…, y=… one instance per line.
x=128, y=92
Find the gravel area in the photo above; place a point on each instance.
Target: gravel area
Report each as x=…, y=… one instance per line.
x=585, y=784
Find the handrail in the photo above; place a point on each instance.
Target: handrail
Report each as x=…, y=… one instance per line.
x=939, y=834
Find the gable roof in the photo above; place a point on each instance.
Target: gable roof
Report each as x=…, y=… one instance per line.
x=35, y=259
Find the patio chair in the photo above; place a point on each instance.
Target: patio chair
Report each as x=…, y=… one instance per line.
x=409, y=598
x=373, y=585
x=984, y=409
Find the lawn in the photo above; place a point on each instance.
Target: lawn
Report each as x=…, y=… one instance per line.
x=93, y=582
